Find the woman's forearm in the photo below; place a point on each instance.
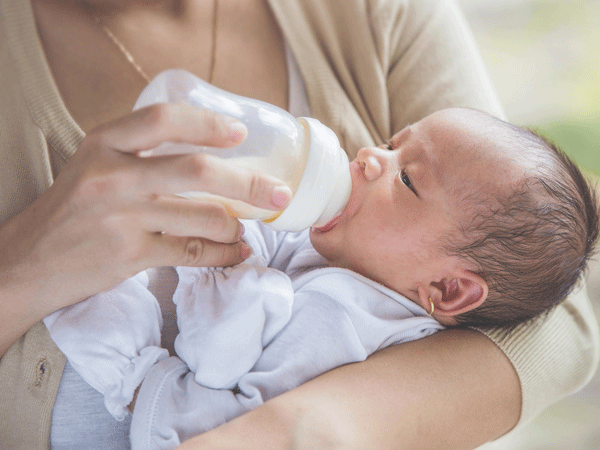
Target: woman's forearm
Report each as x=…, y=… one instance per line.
x=413, y=396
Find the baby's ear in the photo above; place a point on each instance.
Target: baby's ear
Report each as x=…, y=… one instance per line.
x=456, y=294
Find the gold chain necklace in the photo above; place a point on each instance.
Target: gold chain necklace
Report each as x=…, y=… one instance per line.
x=139, y=68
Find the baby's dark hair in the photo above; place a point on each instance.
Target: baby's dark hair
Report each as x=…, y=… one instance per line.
x=532, y=245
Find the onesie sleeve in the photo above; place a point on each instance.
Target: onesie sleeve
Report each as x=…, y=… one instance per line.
x=226, y=316
x=174, y=403
x=335, y=320
x=112, y=339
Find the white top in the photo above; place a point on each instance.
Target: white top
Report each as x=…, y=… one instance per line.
x=247, y=333
x=258, y=328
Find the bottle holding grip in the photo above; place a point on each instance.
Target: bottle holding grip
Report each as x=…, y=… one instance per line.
x=302, y=152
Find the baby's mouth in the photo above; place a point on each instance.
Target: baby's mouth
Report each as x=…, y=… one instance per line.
x=351, y=206
x=329, y=225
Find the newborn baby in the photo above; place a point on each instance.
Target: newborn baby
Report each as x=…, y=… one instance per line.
x=461, y=219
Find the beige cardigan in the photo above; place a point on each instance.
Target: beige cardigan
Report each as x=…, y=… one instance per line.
x=370, y=68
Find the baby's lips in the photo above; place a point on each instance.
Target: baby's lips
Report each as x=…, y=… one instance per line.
x=329, y=225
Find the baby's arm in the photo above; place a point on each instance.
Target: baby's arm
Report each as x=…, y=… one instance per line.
x=227, y=316
x=112, y=339
x=173, y=405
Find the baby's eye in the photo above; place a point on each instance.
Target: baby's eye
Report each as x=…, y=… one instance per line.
x=389, y=145
x=406, y=180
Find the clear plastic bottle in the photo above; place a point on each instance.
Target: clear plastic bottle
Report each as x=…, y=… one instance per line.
x=303, y=153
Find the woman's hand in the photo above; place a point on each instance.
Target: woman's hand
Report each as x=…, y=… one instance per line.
x=112, y=213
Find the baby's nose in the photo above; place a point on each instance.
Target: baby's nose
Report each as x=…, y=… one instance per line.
x=370, y=163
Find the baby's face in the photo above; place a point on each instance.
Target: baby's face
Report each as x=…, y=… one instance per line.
x=406, y=201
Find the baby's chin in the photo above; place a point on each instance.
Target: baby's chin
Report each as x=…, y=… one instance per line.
x=322, y=245
x=316, y=239
x=334, y=251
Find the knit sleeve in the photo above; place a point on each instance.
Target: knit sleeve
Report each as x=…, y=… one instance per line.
x=554, y=356
x=431, y=60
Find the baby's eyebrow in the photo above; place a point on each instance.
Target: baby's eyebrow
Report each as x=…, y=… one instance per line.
x=422, y=163
x=400, y=136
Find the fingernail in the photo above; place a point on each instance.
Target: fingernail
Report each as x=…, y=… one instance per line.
x=281, y=196
x=241, y=231
x=238, y=131
x=246, y=251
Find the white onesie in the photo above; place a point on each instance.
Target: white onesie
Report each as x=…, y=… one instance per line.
x=246, y=333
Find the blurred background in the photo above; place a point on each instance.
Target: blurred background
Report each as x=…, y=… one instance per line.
x=544, y=59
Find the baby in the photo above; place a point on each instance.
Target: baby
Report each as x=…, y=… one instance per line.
x=461, y=219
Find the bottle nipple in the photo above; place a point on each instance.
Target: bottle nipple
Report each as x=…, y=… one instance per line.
x=325, y=186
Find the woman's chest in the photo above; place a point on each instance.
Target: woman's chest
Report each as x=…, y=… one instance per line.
x=237, y=46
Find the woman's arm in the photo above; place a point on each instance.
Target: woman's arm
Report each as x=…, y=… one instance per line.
x=111, y=214
x=364, y=406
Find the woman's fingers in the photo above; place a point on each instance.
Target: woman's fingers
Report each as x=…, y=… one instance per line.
x=181, y=217
x=205, y=173
x=148, y=127
x=195, y=252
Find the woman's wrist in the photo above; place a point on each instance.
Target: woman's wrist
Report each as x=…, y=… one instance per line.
x=20, y=285
x=19, y=313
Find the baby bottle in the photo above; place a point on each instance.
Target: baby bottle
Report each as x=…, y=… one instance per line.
x=303, y=153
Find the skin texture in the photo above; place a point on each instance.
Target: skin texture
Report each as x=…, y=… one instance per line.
x=452, y=390
x=249, y=59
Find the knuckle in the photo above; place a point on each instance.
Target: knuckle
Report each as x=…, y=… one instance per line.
x=194, y=252
x=216, y=219
x=158, y=115
x=88, y=189
x=101, y=180
x=104, y=184
x=196, y=166
x=256, y=187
